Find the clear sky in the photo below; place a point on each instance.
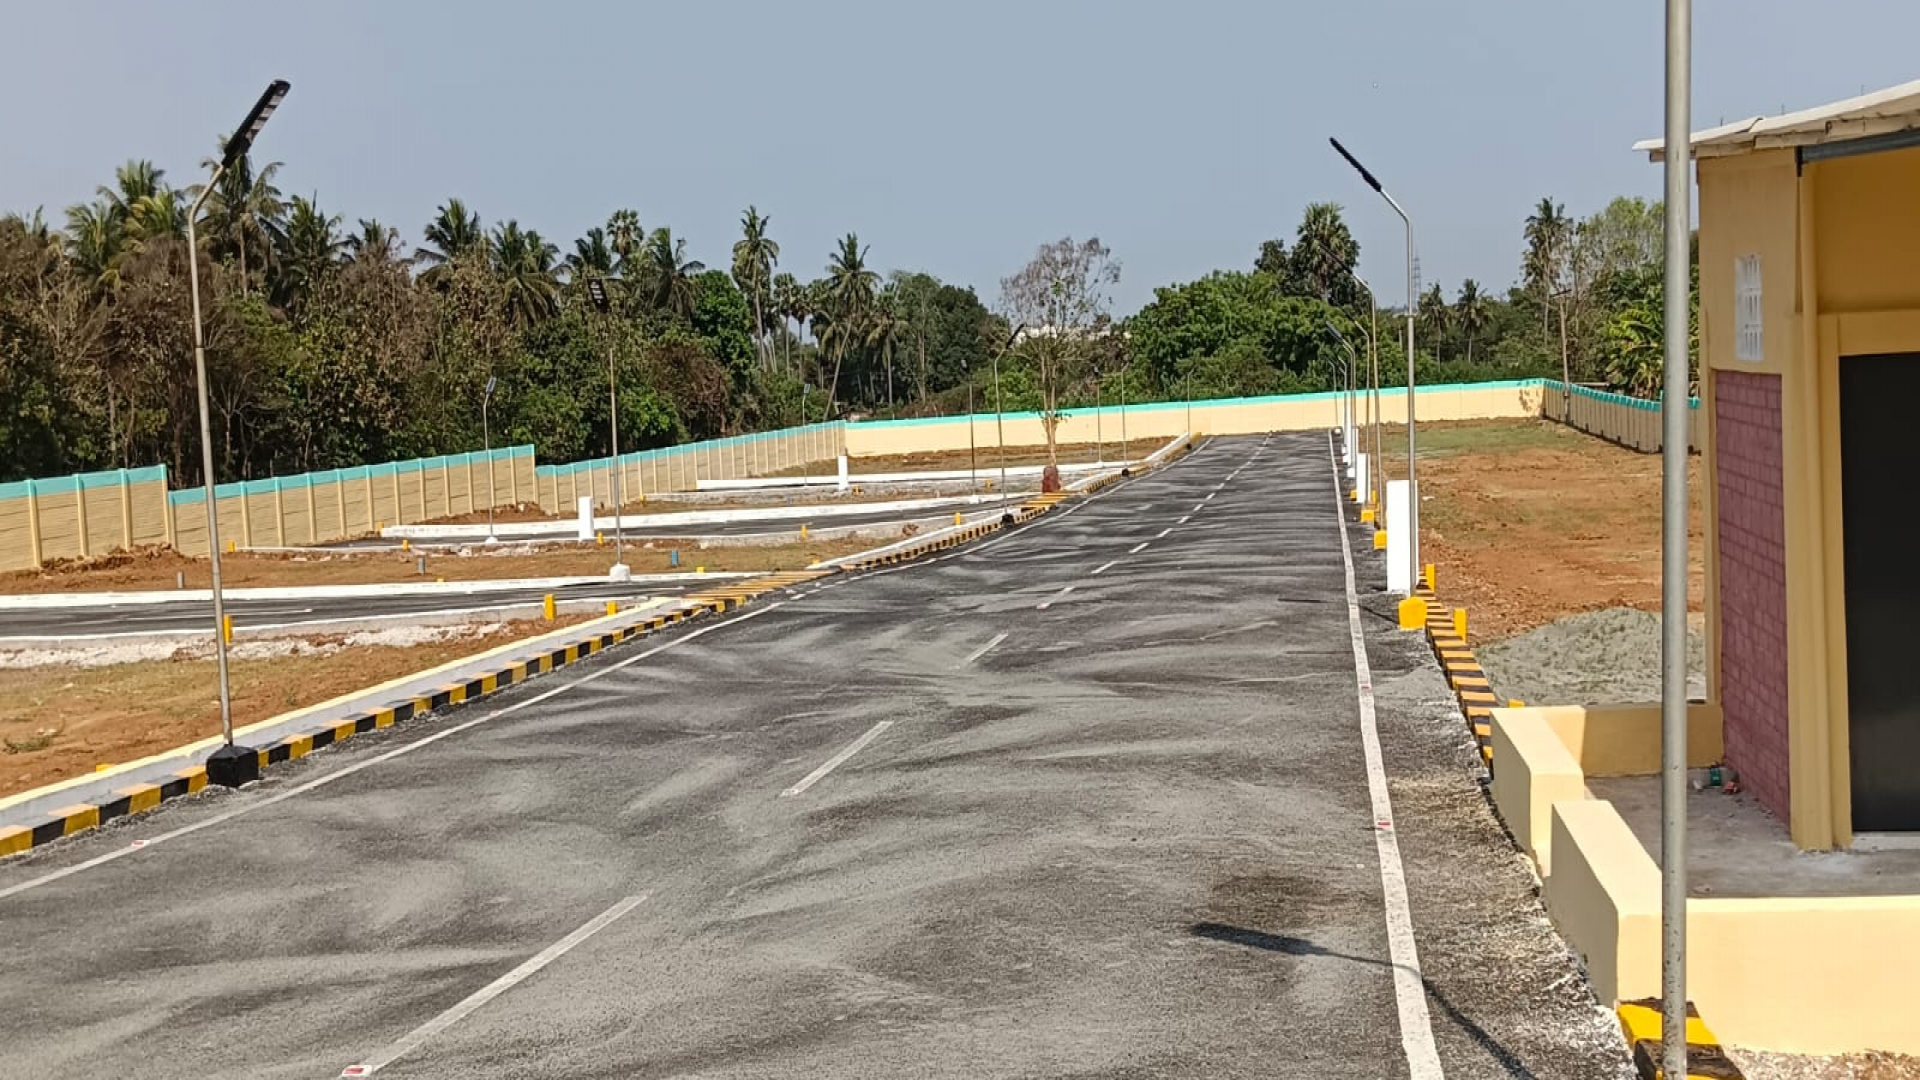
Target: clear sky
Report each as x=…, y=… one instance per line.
x=953, y=137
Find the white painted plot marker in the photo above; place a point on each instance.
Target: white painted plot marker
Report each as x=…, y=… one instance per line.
x=837, y=760
x=412, y=1040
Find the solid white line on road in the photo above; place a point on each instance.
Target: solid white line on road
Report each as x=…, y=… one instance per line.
x=982, y=650
x=1199, y=506
x=1047, y=604
x=837, y=760
x=413, y=1039
x=1163, y=534
x=1409, y=986
x=1209, y=497
x=349, y=770
x=1104, y=567
x=1138, y=548
x=1184, y=520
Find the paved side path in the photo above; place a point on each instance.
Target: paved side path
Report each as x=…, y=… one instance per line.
x=1086, y=799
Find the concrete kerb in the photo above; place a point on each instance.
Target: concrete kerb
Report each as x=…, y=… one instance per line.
x=334, y=592
x=40, y=816
x=686, y=518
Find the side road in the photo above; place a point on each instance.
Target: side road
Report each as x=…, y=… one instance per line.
x=1088, y=797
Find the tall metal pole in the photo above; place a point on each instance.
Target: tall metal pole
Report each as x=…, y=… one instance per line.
x=1000, y=426
x=613, y=416
x=1099, y=436
x=1673, y=545
x=1413, y=478
x=1373, y=401
x=1125, y=454
x=973, y=451
x=206, y=457
x=486, y=437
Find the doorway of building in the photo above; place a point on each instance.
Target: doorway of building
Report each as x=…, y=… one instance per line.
x=1877, y=460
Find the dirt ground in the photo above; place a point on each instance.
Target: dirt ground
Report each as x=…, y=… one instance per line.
x=155, y=568
x=988, y=457
x=1528, y=521
x=1873, y=1065
x=59, y=722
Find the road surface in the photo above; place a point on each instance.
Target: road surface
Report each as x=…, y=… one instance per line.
x=48, y=624
x=1089, y=798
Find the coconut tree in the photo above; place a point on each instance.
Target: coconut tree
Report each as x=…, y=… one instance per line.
x=627, y=239
x=96, y=241
x=374, y=244
x=454, y=232
x=1472, y=312
x=524, y=262
x=850, y=289
x=310, y=249
x=789, y=302
x=754, y=256
x=1435, y=319
x=670, y=273
x=1548, y=233
x=245, y=212
x=592, y=257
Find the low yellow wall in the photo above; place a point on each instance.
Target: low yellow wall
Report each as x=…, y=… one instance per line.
x=1805, y=975
x=1536, y=772
x=1604, y=897
x=1624, y=740
x=1161, y=421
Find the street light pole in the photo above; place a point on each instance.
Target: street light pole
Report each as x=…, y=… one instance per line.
x=230, y=765
x=1673, y=542
x=486, y=436
x=597, y=292
x=1373, y=365
x=1413, y=480
x=973, y=451
x=999, y=413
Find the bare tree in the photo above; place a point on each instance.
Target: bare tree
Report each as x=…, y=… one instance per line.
x=1061, y=298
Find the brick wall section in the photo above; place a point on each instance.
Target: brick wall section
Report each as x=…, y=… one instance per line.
x=1751, y=524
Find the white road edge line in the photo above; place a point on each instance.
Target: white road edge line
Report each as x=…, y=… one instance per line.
x=1409, y=986
x=982, y=650
x=1138, y=548
x=837, y=760
x=412, y=1040
x=1105, y=566
x=322, y=781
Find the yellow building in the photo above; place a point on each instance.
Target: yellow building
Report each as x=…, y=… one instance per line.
x=1810, y=371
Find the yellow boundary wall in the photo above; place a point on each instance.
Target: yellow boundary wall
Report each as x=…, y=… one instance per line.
x=1809, y=975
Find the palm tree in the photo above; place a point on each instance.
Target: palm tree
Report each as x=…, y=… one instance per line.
x=1472, y=313
x=452, y=233
x=245, y=206
x=96, y=241
x=789, y=302
x=591, y=258
x=628, y=238
x=754, y=256
x=884, y=329
x=1435, y=319
x=132, y=182
x=1324, y=253
x=159, y=216
x=670, y=273
x=524, y=262
x=850, y=290
x=311, y=248
x=1548, y=230
x=374, y=243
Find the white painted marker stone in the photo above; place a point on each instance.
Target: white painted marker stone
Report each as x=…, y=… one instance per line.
x=1399, y=574
x=586, y=517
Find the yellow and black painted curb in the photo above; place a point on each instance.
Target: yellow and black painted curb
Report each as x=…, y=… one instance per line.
x=1706, y=1059
x=1464, y=675
x=142, y=797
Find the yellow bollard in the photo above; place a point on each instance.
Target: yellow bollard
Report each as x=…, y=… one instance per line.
x=1460, y=623
x=599, y=539
x=103, y=766
x=699, y=569
x=230, y=547
x=1413, y=613
x=406, y=545
x=1427, y=576
x=379, y=526
x=1366, y=514
x=1516, y=703
x=1353, y=494
x=547, y=605
x=613, y=607
x=226, y=628
x=957, y=519
x=803, y=532
x=1379, y=539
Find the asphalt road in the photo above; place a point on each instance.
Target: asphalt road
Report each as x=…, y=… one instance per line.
x=47, y=624
x=1085, y=799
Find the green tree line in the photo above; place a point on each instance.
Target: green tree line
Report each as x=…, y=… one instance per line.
x=331, y=345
